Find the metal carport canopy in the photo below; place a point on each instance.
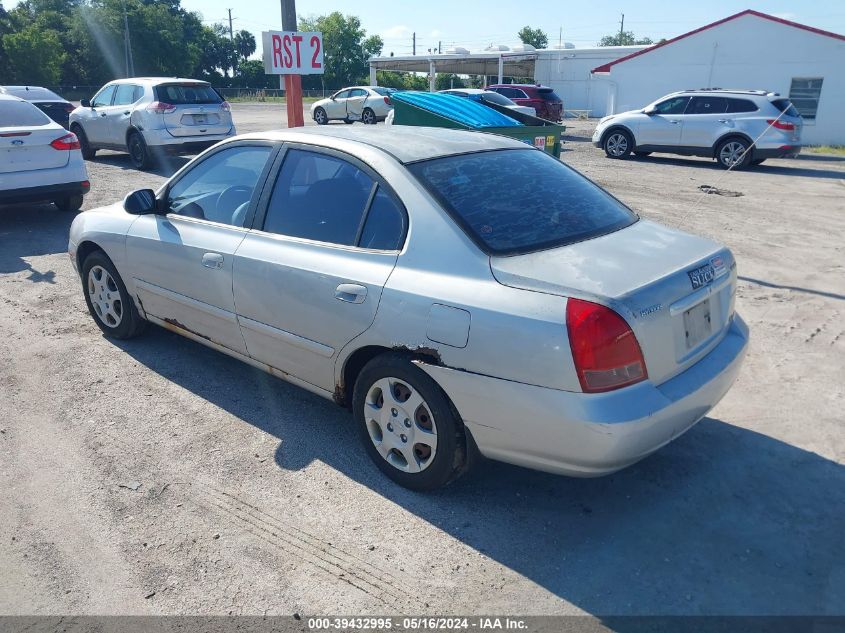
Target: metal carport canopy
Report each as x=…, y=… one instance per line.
x=513, y=64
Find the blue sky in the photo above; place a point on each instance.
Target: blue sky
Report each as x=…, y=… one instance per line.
x=475, y=24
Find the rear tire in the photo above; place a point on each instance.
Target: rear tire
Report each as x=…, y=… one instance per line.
x=71, y=204
x=139, y=153
x=729, y=151
x=88, y=152
x=618, y=144
x=368, y=117
x=421, y=449
x=108, y=301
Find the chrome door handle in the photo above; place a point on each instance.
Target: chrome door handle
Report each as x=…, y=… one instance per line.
x=127, y=113
x=673, y=122
x=724, y=120
x=102, y=114
x=212, y=260
x=351, y=293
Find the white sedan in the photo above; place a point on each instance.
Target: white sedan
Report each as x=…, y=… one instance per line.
x=367, y=104
x=39, y=160
x=459, y=292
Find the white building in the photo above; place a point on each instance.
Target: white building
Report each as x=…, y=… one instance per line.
x=746, y=50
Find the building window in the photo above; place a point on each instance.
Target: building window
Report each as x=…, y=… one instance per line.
x=804, y=94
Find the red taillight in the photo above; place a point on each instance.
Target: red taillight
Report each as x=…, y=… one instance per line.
x=781, y=125
x=160, y=107
x=66, y=142
x=387, y=100
x=69, y=107
x=606, y=353
x=225, y=106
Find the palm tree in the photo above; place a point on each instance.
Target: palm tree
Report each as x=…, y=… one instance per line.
x=244, y=44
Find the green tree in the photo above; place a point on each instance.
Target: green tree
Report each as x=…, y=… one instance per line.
x=534, y=37
x=5, y=66
x=35, y=55
x=244, y=44
x=444, y=81
x=625, y=38
x=251, y=75
x=346, y=49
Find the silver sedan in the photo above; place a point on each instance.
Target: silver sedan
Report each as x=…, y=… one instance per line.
x=462, y=293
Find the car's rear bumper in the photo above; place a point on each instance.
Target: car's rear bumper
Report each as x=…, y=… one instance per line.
x=44, y=193
x=588, y=435
x=783, y=151
x=184, y=144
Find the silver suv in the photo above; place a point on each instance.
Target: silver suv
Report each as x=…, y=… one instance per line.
x=717, y=123
x=150, y=116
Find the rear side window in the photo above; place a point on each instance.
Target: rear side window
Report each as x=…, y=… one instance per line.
x=186, y=94
x=495, y=97
x=707, y=105
x=785, y=106
x=741, y=105
x=510, y=93
x=127, y=94
x=520, y=200
x=15, y=113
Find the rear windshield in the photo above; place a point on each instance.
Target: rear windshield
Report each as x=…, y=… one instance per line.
x=182, y=94
x=20, y=114
x=785, y=106
x=384, y=91
x=547, y=94
x=495, y=97
x=520, y=200
x=33, y=93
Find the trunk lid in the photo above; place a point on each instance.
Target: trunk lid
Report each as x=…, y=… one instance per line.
x=675, y=290
x=27, y=149
x=198, y=109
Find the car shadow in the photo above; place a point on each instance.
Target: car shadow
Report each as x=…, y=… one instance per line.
x=32, y=230
x=786, y=167
x=165, y=166
x=769, y=284
x=724, y=520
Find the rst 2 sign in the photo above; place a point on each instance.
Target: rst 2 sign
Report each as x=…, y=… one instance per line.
x=292, y=53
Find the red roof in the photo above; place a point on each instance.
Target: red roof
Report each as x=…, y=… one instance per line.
x=605, y=68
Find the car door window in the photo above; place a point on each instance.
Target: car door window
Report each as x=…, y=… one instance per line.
x=319, y=197
x=384, y=227
x=343, y=94
x=220, y=187
x=126, y=94
x=675, y=105
x=741, y=105
x=103, y=98
x=358, y=92
x=707, y=105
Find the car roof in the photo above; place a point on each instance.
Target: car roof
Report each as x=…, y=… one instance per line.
x=721, y=91
x=407, y=144
x=37, y=92
x=7, y=97
x=518, y=86
x=157, y=80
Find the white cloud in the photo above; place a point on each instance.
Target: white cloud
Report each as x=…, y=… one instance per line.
x=435, y=33
x=400, y=31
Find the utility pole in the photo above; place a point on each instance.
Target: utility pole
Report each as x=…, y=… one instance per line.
x=231, y=38
x=621, y=29
x=415, y=43
x=293, y=83
x=127, y=46
x=439, y=47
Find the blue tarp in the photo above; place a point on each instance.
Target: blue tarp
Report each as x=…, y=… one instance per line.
x=460, y=109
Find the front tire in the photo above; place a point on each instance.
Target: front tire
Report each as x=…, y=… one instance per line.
x=71, y=204
x=88, y=152
x=733, y=153
x=407, y=424
x=368, y=117
x=139, y=153
x=107, y=298
x=618, y=144
x=320, y=116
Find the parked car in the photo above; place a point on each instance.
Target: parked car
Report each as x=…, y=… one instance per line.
x=40, y=161
x=543, y=99
x=738, y=128
x=477, y=94
x=368, y=104
x=45, y=100
x=460, y=292
x=151, y=116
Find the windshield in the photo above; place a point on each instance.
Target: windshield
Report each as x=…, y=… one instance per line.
x=520, y=200
x=385, y=92
x=14, y=113
x=183, y=94
x=495, y=97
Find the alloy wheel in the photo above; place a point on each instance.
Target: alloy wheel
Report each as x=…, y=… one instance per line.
x=400, y=425
x=617, y=144
x=105, y=296
x=732, y=153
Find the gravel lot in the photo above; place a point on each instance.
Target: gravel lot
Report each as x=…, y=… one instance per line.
x=156, y=476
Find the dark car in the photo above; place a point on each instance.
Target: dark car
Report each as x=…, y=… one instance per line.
x=543, y=99
x=45, y=100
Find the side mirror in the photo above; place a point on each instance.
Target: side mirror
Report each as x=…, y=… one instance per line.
x=649, y=110
x=141, y=202
x=85, y=103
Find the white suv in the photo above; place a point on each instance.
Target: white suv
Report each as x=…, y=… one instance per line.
x=40, y=161
x=149, y=116
x=736, y=127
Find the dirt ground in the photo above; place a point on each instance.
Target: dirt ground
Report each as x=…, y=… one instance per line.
x=158, y=477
